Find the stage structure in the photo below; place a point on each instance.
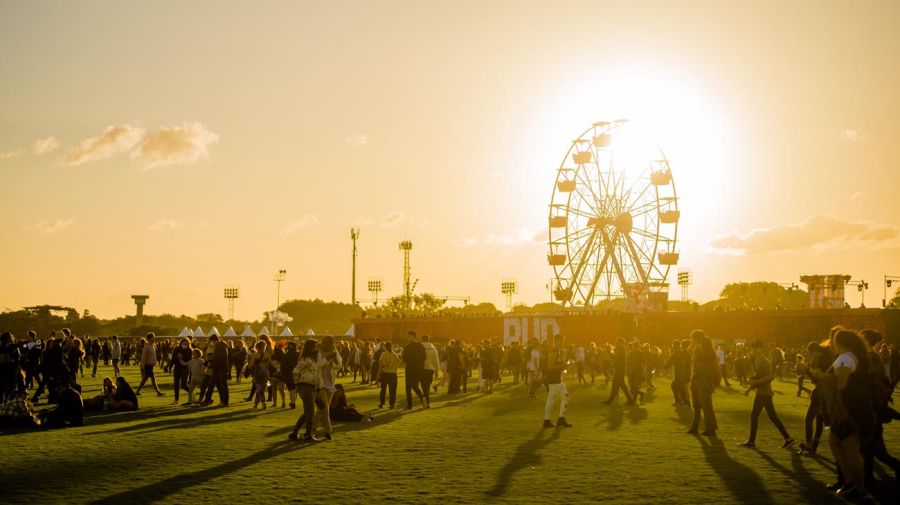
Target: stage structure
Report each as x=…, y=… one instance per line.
x=825, y=291
x=613, y=220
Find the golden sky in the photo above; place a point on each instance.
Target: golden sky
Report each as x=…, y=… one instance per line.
x=171, y=148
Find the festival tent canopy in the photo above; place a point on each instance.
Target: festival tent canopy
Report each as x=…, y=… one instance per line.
x=310, y=333
x=214, y=331
x=199, y=332
x=248, y=332
x=286, y=332
x=230, y=332
x=351, y=331
x=263, y=331
x=185, y=332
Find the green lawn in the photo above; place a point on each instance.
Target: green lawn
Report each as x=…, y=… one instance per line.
x=472, y=448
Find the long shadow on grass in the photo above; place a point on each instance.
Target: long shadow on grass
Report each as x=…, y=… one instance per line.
x=813, y=491
x=157, y=491
x=178, y=423
x=741, y=480
x=526, y=455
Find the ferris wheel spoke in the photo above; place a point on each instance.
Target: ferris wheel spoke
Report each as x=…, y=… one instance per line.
x=616, y=263
x=597, y=200
x=587, y=250
x=645, y=209
x=635, y=259
x=638, y=198
x=598, y=274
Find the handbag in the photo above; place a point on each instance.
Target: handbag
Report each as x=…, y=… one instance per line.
x=320, y=402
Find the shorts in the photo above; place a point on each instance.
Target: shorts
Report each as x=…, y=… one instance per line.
x=148, y=371
x=843, y=429
x=115, y=362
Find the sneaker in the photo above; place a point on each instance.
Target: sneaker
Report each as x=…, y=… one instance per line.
x=328, y=437
x=160, y=393
x=562, y=423
x=293, y=436
x=835, y=486
x=787, y=443
x=748, y=444
x=293, y=405
x=310, y=438
x=847, y=490
x=547, y=423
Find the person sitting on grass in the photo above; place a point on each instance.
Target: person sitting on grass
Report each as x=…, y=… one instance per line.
x=69, y=411
x=342, y=411
x=17, y=411
x=762, y=383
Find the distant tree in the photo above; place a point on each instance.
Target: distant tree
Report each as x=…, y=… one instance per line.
x=759, y=295
x=209, y=318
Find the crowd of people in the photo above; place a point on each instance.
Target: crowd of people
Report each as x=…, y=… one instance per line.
x=849, y=380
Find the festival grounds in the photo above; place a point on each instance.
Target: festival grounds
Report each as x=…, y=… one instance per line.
x=469, y=448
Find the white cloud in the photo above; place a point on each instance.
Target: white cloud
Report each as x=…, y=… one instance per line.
x=358, y=141
x=858, y=195
x=520, y=236
x=307, y=221
x=167, y=225
x=43, y=146
x=393, y=219
x=183, y=144
x=113, y=140
x=819, y=232
x=852, y=135
x=49, y=227
x=8, y=154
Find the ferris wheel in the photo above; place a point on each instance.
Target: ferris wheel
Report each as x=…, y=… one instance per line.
x=613, y=220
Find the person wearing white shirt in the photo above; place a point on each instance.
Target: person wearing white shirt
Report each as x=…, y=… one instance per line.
x=115, y=352
x=720, y=355
x=432, y=365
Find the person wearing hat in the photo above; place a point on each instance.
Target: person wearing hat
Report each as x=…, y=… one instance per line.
x=553, y=370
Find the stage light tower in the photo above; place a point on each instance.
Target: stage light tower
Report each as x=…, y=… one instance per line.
x=888, y=281
x=375, y=287
x=509, y=287
x=354, y=236
x=278, y=278
x=406, y=247
x=231, y=294
x=684, y=280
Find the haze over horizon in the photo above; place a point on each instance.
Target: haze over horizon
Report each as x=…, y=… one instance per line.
x=171, y=149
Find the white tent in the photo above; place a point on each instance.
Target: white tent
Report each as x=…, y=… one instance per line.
x=185, y=332
x=248, y=332
x=286, y=332
x=263, y=331
x=199, y=332
x=230, y=332
x=351, y=331
x=214, y=331
x=310, y=333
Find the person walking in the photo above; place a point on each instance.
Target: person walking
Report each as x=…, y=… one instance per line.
x=148, y=361
x=432, y=365
x=115, y=352
x=620, y=364
x=414, y=359
x=218, y=378
x=388, y=363
x=330, y=362
x=704, y=377
x=308, y=378
x=761, y=381
x=720, y=357
x=553, y=370
x=181, y=361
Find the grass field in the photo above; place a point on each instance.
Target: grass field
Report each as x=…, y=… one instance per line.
x=472, y=448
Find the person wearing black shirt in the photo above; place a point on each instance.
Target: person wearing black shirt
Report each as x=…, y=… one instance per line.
x=619, y=367
x=820, y=359
x=69, y=412
x=553, y=370
x=414, y=359
x=181, y=356
x=219, y=377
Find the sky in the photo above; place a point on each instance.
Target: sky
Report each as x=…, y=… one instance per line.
x=173, y=148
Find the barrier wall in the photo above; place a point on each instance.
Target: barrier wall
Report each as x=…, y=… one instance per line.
x=785, y=327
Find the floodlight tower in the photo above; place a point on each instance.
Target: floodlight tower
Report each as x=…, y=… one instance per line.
x=406, y=246
x=278, y=278
x=231, y=294
x=139, y=301
x=509, y=287
x=684, y=280
x=354, y=236
x=375, y=287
